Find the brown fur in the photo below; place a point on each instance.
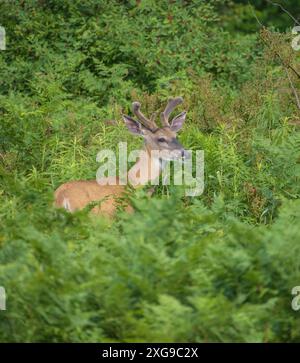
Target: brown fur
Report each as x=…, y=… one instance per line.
x=76, y=195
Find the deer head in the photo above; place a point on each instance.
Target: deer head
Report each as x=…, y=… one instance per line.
x=162, y=139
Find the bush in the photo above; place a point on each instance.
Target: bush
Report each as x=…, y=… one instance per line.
x=218, y=267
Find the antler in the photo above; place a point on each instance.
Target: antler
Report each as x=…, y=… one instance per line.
x=143, y=119
x=172, y=103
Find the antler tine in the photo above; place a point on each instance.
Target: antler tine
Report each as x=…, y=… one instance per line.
x=172, y=103
x=143, y=119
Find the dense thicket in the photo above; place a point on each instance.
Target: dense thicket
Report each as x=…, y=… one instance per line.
x=218, y=267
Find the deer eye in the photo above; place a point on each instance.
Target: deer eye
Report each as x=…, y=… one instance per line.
x=161, y=139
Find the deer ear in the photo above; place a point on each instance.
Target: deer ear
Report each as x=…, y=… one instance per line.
x=133, y=126
x=178, y=121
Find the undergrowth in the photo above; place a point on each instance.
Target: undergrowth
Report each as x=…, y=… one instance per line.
x=217, y=267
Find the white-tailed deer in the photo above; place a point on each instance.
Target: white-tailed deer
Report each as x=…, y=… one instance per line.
x=160, y=145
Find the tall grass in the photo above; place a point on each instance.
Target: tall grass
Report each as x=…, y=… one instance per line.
x=217, y=267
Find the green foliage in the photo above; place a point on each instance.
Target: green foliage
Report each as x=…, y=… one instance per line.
x=241, y=15
x=218, y=267
x=176, y=273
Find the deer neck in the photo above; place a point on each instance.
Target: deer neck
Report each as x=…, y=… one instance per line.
x=147, y=168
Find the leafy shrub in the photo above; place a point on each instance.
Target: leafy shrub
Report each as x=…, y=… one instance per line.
x=218, y=267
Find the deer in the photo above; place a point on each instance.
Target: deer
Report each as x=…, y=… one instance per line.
x=160, y=145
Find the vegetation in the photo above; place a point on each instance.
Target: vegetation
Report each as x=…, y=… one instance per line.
x=218, y=267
